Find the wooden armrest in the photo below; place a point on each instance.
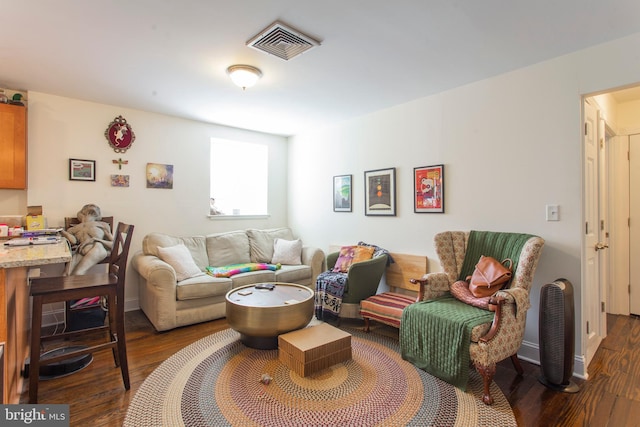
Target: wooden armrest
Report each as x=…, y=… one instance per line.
x=495, y=305
x=422, y=282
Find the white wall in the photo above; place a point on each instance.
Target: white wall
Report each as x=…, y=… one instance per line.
x=629, y=116
x=510, y=144
x=62, y=128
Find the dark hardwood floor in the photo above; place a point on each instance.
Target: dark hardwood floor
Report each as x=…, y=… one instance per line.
x=611, y=396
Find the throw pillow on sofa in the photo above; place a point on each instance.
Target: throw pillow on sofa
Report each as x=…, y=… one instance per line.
x=287, y=252
x=181, y=260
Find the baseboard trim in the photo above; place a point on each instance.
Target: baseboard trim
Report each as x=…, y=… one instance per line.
x=55, y=315
x=531, y=353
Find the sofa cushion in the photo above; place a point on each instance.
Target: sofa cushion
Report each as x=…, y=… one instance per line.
x=228, y=248
x=293, y=273
x=202, y=287
x=262, y=241
x=287, y=252
x=196, y=245
x=180, y=259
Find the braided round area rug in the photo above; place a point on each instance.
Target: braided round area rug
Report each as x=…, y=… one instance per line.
x=216, y=382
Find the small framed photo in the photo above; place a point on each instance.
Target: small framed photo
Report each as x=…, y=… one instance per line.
x=342, y=195
x=380, y=192
x=428, y=184
x=82, y=170
x=119, y=180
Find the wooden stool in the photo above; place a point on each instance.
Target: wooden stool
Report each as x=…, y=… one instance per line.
x=47, y=290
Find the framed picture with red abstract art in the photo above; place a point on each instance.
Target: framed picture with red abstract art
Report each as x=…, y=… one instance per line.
x=428, y=193
x=380, y=192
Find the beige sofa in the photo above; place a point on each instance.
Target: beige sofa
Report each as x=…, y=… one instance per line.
x=169, y=302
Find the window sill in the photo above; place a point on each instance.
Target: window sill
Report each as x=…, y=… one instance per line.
x=225, y=217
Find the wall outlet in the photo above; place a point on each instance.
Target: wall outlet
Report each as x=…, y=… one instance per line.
x=553, y=213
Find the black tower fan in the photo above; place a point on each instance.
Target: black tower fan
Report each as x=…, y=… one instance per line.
x=556, y=329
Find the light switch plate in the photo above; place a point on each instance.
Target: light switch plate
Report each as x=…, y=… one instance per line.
x=553, y=213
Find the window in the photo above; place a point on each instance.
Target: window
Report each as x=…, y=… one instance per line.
x=239, y=176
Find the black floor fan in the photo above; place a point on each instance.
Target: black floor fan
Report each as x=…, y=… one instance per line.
x=557, y=336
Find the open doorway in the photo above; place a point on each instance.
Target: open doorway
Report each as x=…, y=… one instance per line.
x=619, y=111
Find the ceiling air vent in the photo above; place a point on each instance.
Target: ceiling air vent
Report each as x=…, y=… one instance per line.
x=282, y=41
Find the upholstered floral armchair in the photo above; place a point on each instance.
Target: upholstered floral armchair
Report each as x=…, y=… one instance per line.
x=501, y=336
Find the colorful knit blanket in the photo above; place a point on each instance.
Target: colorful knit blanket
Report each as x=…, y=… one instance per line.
x=230, y=270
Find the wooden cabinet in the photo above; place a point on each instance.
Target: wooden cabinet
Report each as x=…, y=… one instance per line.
x=14, y=329
x=13, y=146
x=15, y=263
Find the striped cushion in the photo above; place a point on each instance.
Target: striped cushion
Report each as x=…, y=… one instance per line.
x=386, y=307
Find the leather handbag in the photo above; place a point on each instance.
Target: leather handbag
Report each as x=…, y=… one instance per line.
x=489, y=276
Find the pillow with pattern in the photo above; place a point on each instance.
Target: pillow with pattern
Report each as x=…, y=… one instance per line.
x=460, y=290
x=350, y=255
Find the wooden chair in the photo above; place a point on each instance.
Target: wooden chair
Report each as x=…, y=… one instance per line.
x=70, y=221
x=46, y=290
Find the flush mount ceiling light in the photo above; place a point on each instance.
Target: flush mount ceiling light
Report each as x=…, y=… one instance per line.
x=244, y=75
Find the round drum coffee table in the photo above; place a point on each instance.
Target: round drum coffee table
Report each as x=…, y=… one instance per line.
x=260, y=315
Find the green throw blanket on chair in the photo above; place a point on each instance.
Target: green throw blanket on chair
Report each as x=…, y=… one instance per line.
x=435, y=335
x=493, y=244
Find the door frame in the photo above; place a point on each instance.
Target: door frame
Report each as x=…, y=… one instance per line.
x=589, y=303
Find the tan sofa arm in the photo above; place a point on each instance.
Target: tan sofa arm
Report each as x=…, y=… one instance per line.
x=432, y=285
x=155, y=271
x=157, y=290
x=313, y=257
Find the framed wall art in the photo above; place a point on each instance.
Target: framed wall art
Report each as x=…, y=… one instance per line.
x=428, y=184
x=82, y=170
x=119, y=180
x=120, y=135
x=342, y=195
x=159, y=176
x=380, y=192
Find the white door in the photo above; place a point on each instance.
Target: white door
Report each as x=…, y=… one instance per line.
x=634, y=224
x=591, y=299
x=603, y=224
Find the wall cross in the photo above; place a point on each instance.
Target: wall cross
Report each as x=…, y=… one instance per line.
x=120, y=162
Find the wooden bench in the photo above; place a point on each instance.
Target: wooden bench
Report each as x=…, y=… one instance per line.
x=387, y=307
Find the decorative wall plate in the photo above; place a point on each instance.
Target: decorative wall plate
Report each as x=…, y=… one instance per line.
x=120, y=135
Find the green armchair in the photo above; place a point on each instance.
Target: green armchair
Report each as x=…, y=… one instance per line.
x=363, y=277
x=337, y=292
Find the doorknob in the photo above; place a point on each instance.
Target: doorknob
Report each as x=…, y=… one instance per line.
x=600, y=246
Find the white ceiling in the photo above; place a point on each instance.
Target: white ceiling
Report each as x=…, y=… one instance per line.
x=170, y=56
